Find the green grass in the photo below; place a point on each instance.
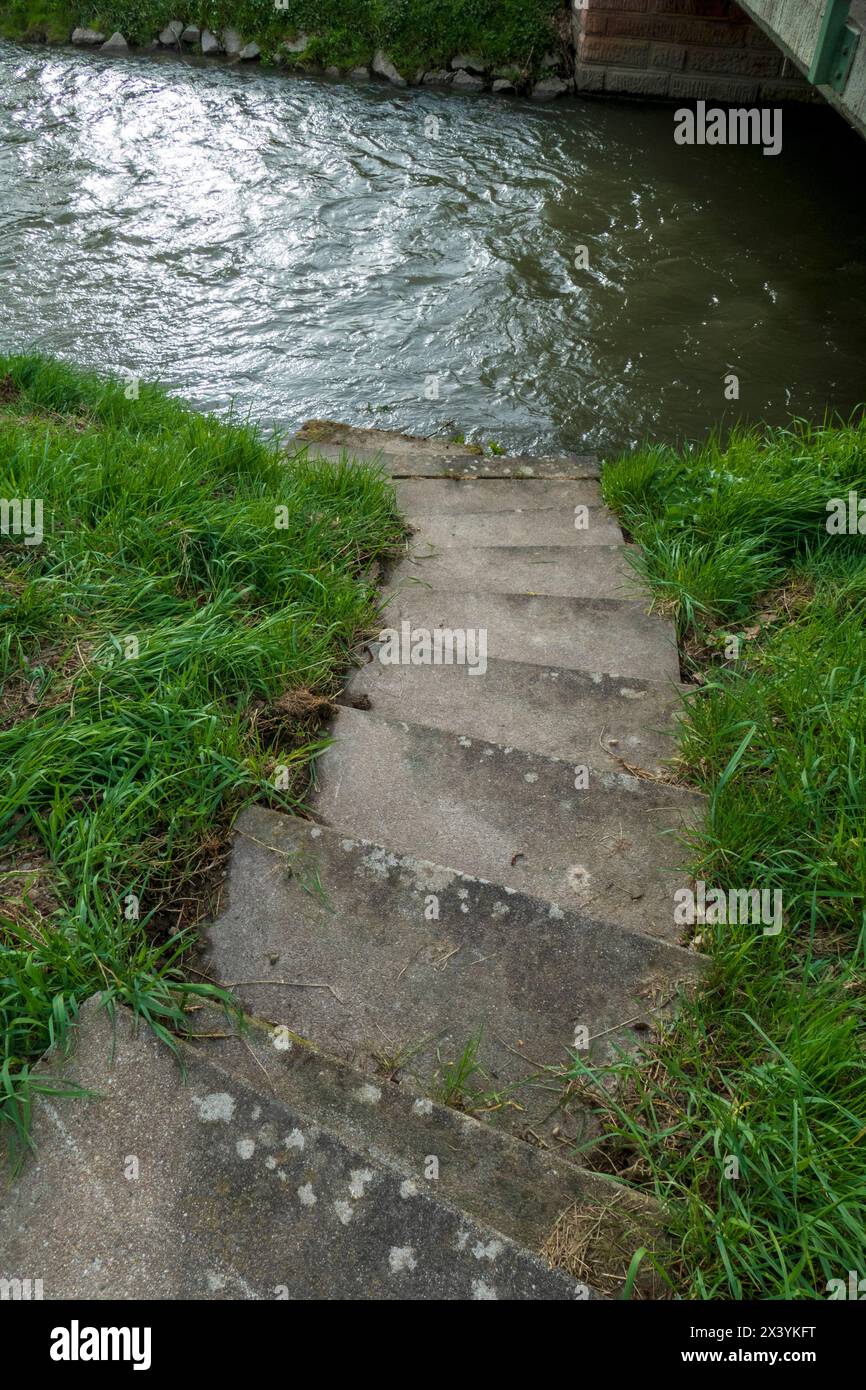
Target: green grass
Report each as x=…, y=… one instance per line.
x=766, y=1064
x=123, y=762
x=417, y=33
x=451, y=1085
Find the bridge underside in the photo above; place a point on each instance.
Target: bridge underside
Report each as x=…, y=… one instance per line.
x=758, y=52
x=823, y=39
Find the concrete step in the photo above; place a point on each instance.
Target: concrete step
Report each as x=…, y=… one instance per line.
x=421, y=464
x=590, y=718
x=235, y=1194
x=558, y=570
x=427, y=496
x=513, y=817
x=354, y=439
x=548, y=527
x=517, y=1188
x=420, y=961
x=582, y=634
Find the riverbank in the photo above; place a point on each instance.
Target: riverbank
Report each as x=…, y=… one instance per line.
x=500, y=45
x=747, y=1118
x=178, y=606
x=676, y=49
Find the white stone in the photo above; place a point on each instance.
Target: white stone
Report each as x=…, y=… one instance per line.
x=472, y=62
x=232, y=42
x=467, y=82
x=87, y=38
x=249, y=52
x=549, y=89
x=385, y=68
x=191, y=34
x=171, y=33
x=116, y=44
x=210, y=43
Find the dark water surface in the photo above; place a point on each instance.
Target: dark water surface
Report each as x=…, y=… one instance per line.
x=318, y=249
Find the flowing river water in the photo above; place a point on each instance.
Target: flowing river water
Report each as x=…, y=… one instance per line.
x=408, y=259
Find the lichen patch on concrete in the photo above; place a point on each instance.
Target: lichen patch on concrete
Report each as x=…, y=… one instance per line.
x=402, y=1258
x=217, y=1107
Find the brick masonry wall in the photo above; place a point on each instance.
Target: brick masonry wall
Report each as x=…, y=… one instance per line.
x=684, y=49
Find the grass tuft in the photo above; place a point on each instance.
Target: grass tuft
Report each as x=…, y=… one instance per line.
x=165, y=651
x=747, y=1117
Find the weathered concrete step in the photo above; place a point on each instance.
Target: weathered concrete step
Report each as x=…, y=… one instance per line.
x=235, y=1195
x=427, y=496
x=583, y=634
x=420, y=961
x=422, y=464
x=586, y=717
x=537, y=528
x=517, y=1188
x=599, y=571
x=334, y=434
x=512, y=817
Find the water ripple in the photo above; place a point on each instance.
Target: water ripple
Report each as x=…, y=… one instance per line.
x=317, y=249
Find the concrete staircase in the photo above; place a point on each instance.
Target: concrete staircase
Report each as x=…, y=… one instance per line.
x=486, y=882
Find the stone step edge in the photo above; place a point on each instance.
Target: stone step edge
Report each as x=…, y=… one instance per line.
x=693, y=962
x=660, y=630
x=598, y=515
x=186, y=1052
x=363, y=690
x=390, y=443
x=524, y=1189
x=519, y=468
x=652, y=683
x=332, y=435
x=640, y=601
x=622, y=781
